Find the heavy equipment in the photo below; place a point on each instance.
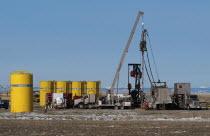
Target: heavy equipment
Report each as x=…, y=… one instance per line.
x=86, y=101
x=90, y=101
x=113, y=100
x=136, y=93
x=58, y=100
x=193, y=102
x=161, y=96
x=183, y=97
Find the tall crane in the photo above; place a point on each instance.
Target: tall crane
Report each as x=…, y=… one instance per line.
x=116, y=78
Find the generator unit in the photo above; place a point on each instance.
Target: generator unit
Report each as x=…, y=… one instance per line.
x=161, y=96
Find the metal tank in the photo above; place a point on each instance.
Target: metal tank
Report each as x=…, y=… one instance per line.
x=45, y=87
x=61, y=87
x=93, y=87
x=69, y=86
x=77, y=88
x=21, y=89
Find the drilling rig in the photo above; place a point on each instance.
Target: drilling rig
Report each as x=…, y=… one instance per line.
x=137, y=71
x=113, y=99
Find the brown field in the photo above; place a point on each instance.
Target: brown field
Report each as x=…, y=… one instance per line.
x=105, y=122
x=103, y=128
x=204, y=97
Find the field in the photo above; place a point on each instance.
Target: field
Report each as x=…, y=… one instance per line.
x=105, y=122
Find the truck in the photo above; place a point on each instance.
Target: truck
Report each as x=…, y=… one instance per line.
x=193, y=102
x=58, y=100
x=89, y=101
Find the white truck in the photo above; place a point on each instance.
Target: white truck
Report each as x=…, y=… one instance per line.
x=89, y=101
x=58, y=100
x=193, y=102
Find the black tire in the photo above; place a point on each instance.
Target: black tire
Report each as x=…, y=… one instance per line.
x=116, y=107
x=81, y=105
x=122, y=107
x=89, y=106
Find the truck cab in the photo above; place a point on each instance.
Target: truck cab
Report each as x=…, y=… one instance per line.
x=193, y=102
x=86, y=101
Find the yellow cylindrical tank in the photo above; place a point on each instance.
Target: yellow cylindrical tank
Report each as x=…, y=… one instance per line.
x=21, y=89
x=77, y=88
x=61, y=87
x=93, y=87
x=68, y=87
x=45, y=87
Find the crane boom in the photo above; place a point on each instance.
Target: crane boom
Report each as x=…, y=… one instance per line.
x=116, y=78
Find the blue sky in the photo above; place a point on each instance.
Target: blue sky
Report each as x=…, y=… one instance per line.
x=84, y=40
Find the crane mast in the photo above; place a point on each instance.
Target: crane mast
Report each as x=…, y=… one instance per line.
x=116, y=78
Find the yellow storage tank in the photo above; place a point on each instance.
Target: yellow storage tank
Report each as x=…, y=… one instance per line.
x=61, y=87
x=21, y=89
x=68, y=87
x=93, y=87
x=45, y=87
x=77, y=88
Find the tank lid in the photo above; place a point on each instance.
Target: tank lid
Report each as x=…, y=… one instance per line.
x=20, y=71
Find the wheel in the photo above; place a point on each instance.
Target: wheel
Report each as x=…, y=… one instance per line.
x=115, y=107
x=122, y=107
x=89, y=106
x=81, y=106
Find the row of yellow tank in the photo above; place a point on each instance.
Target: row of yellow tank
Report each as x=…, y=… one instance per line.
x=21, y=90
x=77, y=88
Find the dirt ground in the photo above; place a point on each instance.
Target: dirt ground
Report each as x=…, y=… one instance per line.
x=103, y=128
x=106, y=122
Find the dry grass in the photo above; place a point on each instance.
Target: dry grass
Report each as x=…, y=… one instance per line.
x=204, y=97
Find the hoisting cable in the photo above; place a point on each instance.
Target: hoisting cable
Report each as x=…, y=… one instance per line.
x=147, y=72
x=153, y=56
x=150, y=67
